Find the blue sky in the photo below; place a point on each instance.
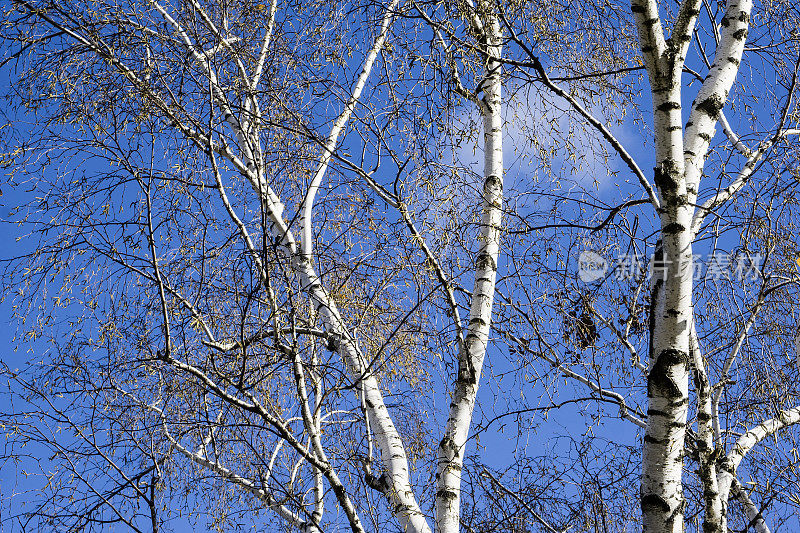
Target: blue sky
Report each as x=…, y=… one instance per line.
x=497, y=443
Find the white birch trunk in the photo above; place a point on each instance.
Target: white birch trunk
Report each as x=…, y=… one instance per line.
x=700, y=128
x=745, y=443
x=668, y=377
x=679, y=162
x=752, y=512
x=453, y=445
x=706, y=443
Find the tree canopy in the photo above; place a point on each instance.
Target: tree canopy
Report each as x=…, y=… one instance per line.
x=401, y=266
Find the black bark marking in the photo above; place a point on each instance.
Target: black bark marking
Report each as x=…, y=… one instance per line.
x=652, y=440
x=334, y=342
x=711, y=105
x=654, y=503
x=666, y=176
x=669, y=106
x=673, y=228
x=491, y=182
x=381, y=484
x=446, y=495
x=659, y=381
x=466, y=368
x=446, y=443
x=485, y=262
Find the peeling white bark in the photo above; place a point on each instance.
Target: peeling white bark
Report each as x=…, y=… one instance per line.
x=330, y=144
x=453, y=444
x=714, y=92
x=752, y=511
x=746, y=442
x=680, y=154
x=707, y=458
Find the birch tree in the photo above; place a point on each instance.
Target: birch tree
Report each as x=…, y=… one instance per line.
x=128, y=80
x=683, y=143
x=266, y=290
x=684, y=152
x=680, y=153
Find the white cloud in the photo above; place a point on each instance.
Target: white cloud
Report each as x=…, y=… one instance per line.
x=540, y=132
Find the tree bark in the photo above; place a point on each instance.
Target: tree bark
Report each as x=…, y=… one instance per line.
x=453, y=445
